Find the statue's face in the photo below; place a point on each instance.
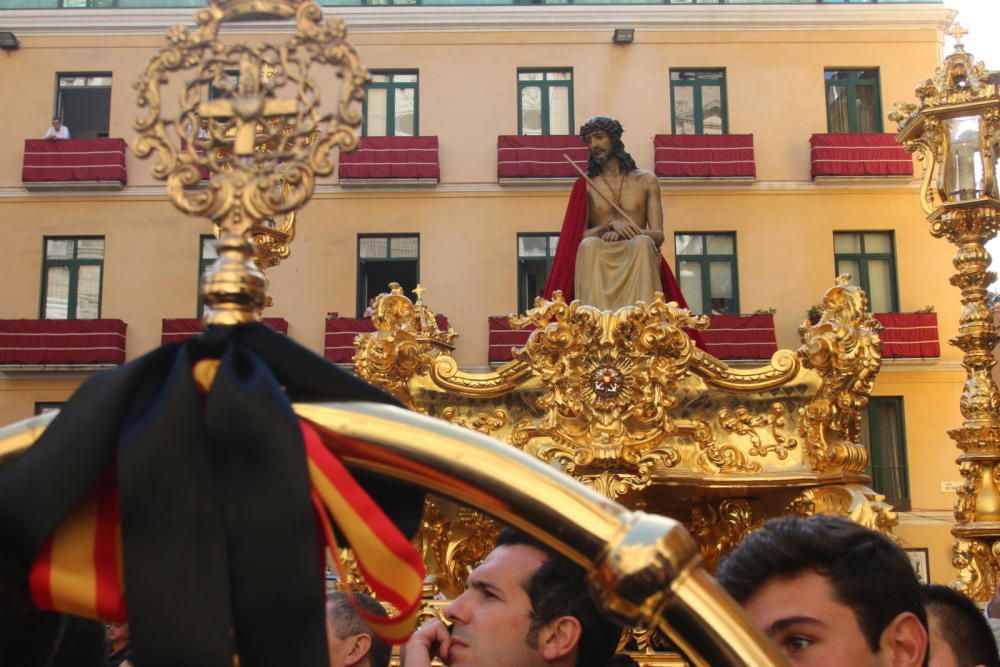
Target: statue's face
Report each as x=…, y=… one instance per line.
x=600, y=145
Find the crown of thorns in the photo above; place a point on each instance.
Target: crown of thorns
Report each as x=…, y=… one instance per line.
x=606, y=123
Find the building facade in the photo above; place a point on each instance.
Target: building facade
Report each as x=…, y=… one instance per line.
x=766, y=123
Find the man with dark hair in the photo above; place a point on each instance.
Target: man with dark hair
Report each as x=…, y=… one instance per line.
x=829, y=592
x=524, y=606
x=960, y=636
x=351, y=641
x=609, y=247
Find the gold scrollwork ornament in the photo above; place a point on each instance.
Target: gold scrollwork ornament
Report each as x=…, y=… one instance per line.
x=243, y=153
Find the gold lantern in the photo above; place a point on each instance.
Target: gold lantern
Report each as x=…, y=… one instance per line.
x=955, y=131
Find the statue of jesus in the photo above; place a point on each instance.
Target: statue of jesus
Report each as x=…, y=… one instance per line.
x=609, y=247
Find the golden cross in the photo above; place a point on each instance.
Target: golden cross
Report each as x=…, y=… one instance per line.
x=248, y=106
x=419, y=291
x=958, y=32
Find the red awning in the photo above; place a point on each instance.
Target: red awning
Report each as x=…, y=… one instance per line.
x=913, y=335
x=741, y=336
x=539, y=156
x=73, y=160
x=859, y=155
x=503, y=337
x=62, y=342
x=392, y=157
x=178, y=329
x=341, y=332
x=704, y=155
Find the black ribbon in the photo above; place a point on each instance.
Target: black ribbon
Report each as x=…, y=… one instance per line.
x=221, y=553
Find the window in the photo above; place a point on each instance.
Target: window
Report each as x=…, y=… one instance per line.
x=545, y=101
x=853, y=104
x=698, y=101
x=384, y=259
x=535, y=253
x=42, y=408
x=870, y=258
x=83, y=102
x=706, y=269
x=882, y=433
x=71, y=278
x=390, y=106
x=207, y=255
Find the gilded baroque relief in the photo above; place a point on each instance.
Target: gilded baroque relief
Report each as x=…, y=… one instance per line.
x=844, y=348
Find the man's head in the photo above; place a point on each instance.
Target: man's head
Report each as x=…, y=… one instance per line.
x=118, y=634
x=350, y=640
x=959, y=633
x=526, y=606
x=829, y=592
x=56, y=122
x=603, y=136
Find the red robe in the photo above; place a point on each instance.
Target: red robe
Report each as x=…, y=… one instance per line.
x=563, y=272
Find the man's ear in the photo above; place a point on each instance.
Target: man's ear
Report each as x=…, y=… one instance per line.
x=904, y=641
x=559, y=638
x=360, y=645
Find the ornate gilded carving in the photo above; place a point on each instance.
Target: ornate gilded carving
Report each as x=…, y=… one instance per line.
x=485, y=422
x=608, y=381
x=844, y=347
x=976, y=562
x=720, y=528
x=853, y=501
x=406, y=339
x=742, y=422
x=453, y=540
x=259, y=143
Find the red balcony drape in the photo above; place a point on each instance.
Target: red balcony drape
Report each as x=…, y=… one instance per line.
x=69, y=160
x=62, y=342
x=859, y=155
x=539, y=156
x=392, y=157
x=704, y=155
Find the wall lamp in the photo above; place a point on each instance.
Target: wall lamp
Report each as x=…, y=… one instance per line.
x=623, y=36
x=8, y=41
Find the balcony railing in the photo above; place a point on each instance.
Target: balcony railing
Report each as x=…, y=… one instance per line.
x=522, y=157
x=91, y=164
x=159, y=4
x=177, y=330
x=858, y=155
x=704, y=156
x=391, y=160
x=340, y=333
x=73, y=343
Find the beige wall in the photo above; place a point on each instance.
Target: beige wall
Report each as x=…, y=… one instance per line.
x=468, y=226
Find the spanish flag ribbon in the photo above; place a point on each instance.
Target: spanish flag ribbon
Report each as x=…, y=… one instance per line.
x=194, y=514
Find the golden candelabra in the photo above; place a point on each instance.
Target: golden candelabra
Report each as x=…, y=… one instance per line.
x=955, y=131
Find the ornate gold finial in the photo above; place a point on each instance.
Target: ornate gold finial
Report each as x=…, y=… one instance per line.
x=247, y=153
x=957, y=32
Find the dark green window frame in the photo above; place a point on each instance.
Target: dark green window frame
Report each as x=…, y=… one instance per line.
x=852, y=85
x=206, y=256
x=697, y=84
x=706, y=259
x=74, y=265
x=524, y=299
x=545, y=84
x=889, y=469
x=863, y=257
x=362, y=301
x=391, y=86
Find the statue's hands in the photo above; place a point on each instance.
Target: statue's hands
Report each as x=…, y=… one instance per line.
x=611, y=236
x=431, y=640
x=625, y=229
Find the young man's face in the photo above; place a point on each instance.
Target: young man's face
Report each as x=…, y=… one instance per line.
x=56, y=123
x=492, y=617
x=808, y=625
x=599, y=144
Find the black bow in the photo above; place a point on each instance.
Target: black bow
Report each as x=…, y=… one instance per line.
x=220, y=546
